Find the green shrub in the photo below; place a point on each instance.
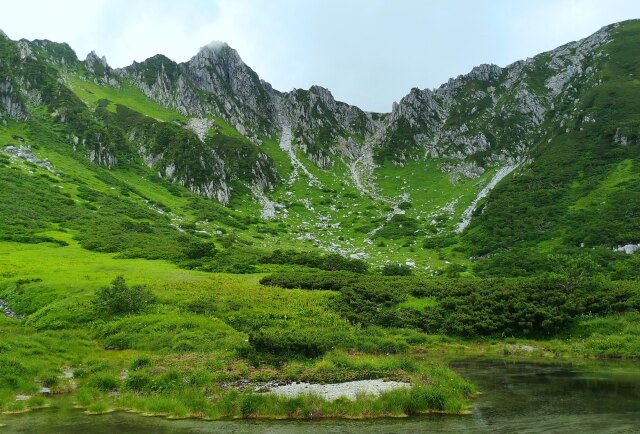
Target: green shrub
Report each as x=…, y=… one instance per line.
x=400, y=226
x=140, y=362
x=249, y=404
x=50, y=379
x=199, y=250
x=315, y=281
x=138, y=382
x=328, y=262
x=170, y=380
x=105, y=382
x=241, y=269
x=306, y=342
x=396, y=270
x=120, y=298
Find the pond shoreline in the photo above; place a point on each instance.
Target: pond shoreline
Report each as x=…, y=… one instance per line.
x=558, y=397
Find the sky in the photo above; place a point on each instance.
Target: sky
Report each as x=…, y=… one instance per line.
x=367, y=52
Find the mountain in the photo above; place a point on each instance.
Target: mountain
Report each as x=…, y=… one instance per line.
x=177, y=238
x=495, y=170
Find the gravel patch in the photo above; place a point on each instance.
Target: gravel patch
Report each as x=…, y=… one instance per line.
x=330, y=392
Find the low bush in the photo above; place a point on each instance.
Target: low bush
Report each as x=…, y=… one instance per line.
x=540, y=306
x=314, y=280
x=328, y=262
x=396, y=270
x=104, y=382
x=306, y=342
x=120, y=298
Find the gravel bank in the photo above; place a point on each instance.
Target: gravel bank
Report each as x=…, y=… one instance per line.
x=331, y=392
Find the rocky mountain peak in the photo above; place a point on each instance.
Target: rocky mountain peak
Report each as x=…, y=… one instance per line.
x=485, y=72
x=453, y=121
x=324, y=95
x=92, y=60
x=217, y=52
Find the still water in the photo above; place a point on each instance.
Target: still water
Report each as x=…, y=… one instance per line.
x=516, y=398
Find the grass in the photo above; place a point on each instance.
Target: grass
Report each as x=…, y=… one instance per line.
x=185, y=354
x=338, y=214
x=126, y=95
x=180, y=357
x=175, y=352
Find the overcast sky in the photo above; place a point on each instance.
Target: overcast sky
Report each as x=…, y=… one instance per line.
x=367, y=52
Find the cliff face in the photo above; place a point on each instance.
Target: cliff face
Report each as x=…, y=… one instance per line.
x=487, y=118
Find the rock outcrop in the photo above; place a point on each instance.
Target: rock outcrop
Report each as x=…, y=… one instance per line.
x=487, y=118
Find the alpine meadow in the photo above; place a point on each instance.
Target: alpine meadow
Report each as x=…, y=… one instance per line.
x=184, y=240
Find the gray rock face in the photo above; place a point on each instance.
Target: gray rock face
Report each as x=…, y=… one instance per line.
x=629, y=249
x=218, y=69
x=453, y=122
x=102, y=155
x=25, y=50
x=491, y=111
x=25, y=153
x=568, y=61
x=10, y=102
x=214, y=82
x=487, y=118
x=99, y=67
x=318, y=121
x=94, y=63
x=200, y=126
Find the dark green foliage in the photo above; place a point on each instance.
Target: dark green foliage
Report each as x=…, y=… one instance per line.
x=140, y=363
x=401, y=143
x=371, y=303
x=304, y=342
x=538, y=306
x=328, y=262
x=120, y=298
x=150, y=69
x=102, y=221
x=439, y=242
x=105, y=382
x=191, y=158
x=241, y=269
x=40, y=205
x=582, y=186
x=311, y=280
x=11, y=373
x=138, y=382
x=400, y=226
x=396, y=270
x=454, y=270
x=199, y=250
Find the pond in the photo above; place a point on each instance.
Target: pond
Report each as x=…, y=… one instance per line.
x=516, y=397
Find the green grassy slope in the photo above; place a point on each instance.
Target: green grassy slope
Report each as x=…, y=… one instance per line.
x=580, y=191
x=67, y=231
x=179, y=356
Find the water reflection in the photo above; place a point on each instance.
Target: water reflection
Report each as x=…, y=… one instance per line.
x=517, y=397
